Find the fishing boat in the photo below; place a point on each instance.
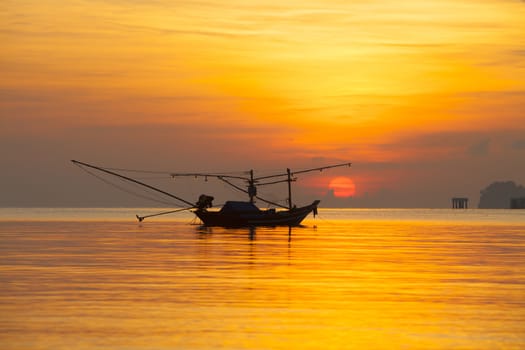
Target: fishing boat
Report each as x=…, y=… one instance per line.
x=239, y=214
x=234, y=213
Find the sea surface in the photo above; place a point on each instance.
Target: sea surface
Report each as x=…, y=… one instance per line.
x=347, y=279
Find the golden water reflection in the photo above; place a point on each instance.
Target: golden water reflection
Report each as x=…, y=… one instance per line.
x=342, y=284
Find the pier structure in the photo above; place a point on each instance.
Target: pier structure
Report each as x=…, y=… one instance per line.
x=459, y=203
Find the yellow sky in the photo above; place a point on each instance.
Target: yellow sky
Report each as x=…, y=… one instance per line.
x=337, y=79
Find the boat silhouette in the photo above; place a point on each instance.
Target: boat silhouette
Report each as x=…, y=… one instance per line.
x=235, y=213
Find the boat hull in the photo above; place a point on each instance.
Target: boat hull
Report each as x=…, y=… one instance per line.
x=292, y=217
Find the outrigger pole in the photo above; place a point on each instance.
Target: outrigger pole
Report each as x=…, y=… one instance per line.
x=135, y=181
x=289, y=178
x=140, y=218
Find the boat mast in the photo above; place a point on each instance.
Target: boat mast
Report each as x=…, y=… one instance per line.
x=289, y=180
x=252, y=190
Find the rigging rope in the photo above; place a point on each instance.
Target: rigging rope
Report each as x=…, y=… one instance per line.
x=125, y=189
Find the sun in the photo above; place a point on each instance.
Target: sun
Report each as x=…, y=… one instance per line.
x=342, y=186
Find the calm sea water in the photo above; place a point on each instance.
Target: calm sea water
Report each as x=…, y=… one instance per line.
x=348, y=279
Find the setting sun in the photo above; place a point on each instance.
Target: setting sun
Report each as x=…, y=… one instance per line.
x=342, y=186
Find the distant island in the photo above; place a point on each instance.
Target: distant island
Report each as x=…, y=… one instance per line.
x=498, y=195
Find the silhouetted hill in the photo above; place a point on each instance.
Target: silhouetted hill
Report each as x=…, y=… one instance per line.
x=498, y=194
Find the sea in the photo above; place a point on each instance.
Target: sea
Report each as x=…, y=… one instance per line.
x=96, y=278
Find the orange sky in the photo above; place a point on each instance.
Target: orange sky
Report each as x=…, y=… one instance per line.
x=405, y=90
